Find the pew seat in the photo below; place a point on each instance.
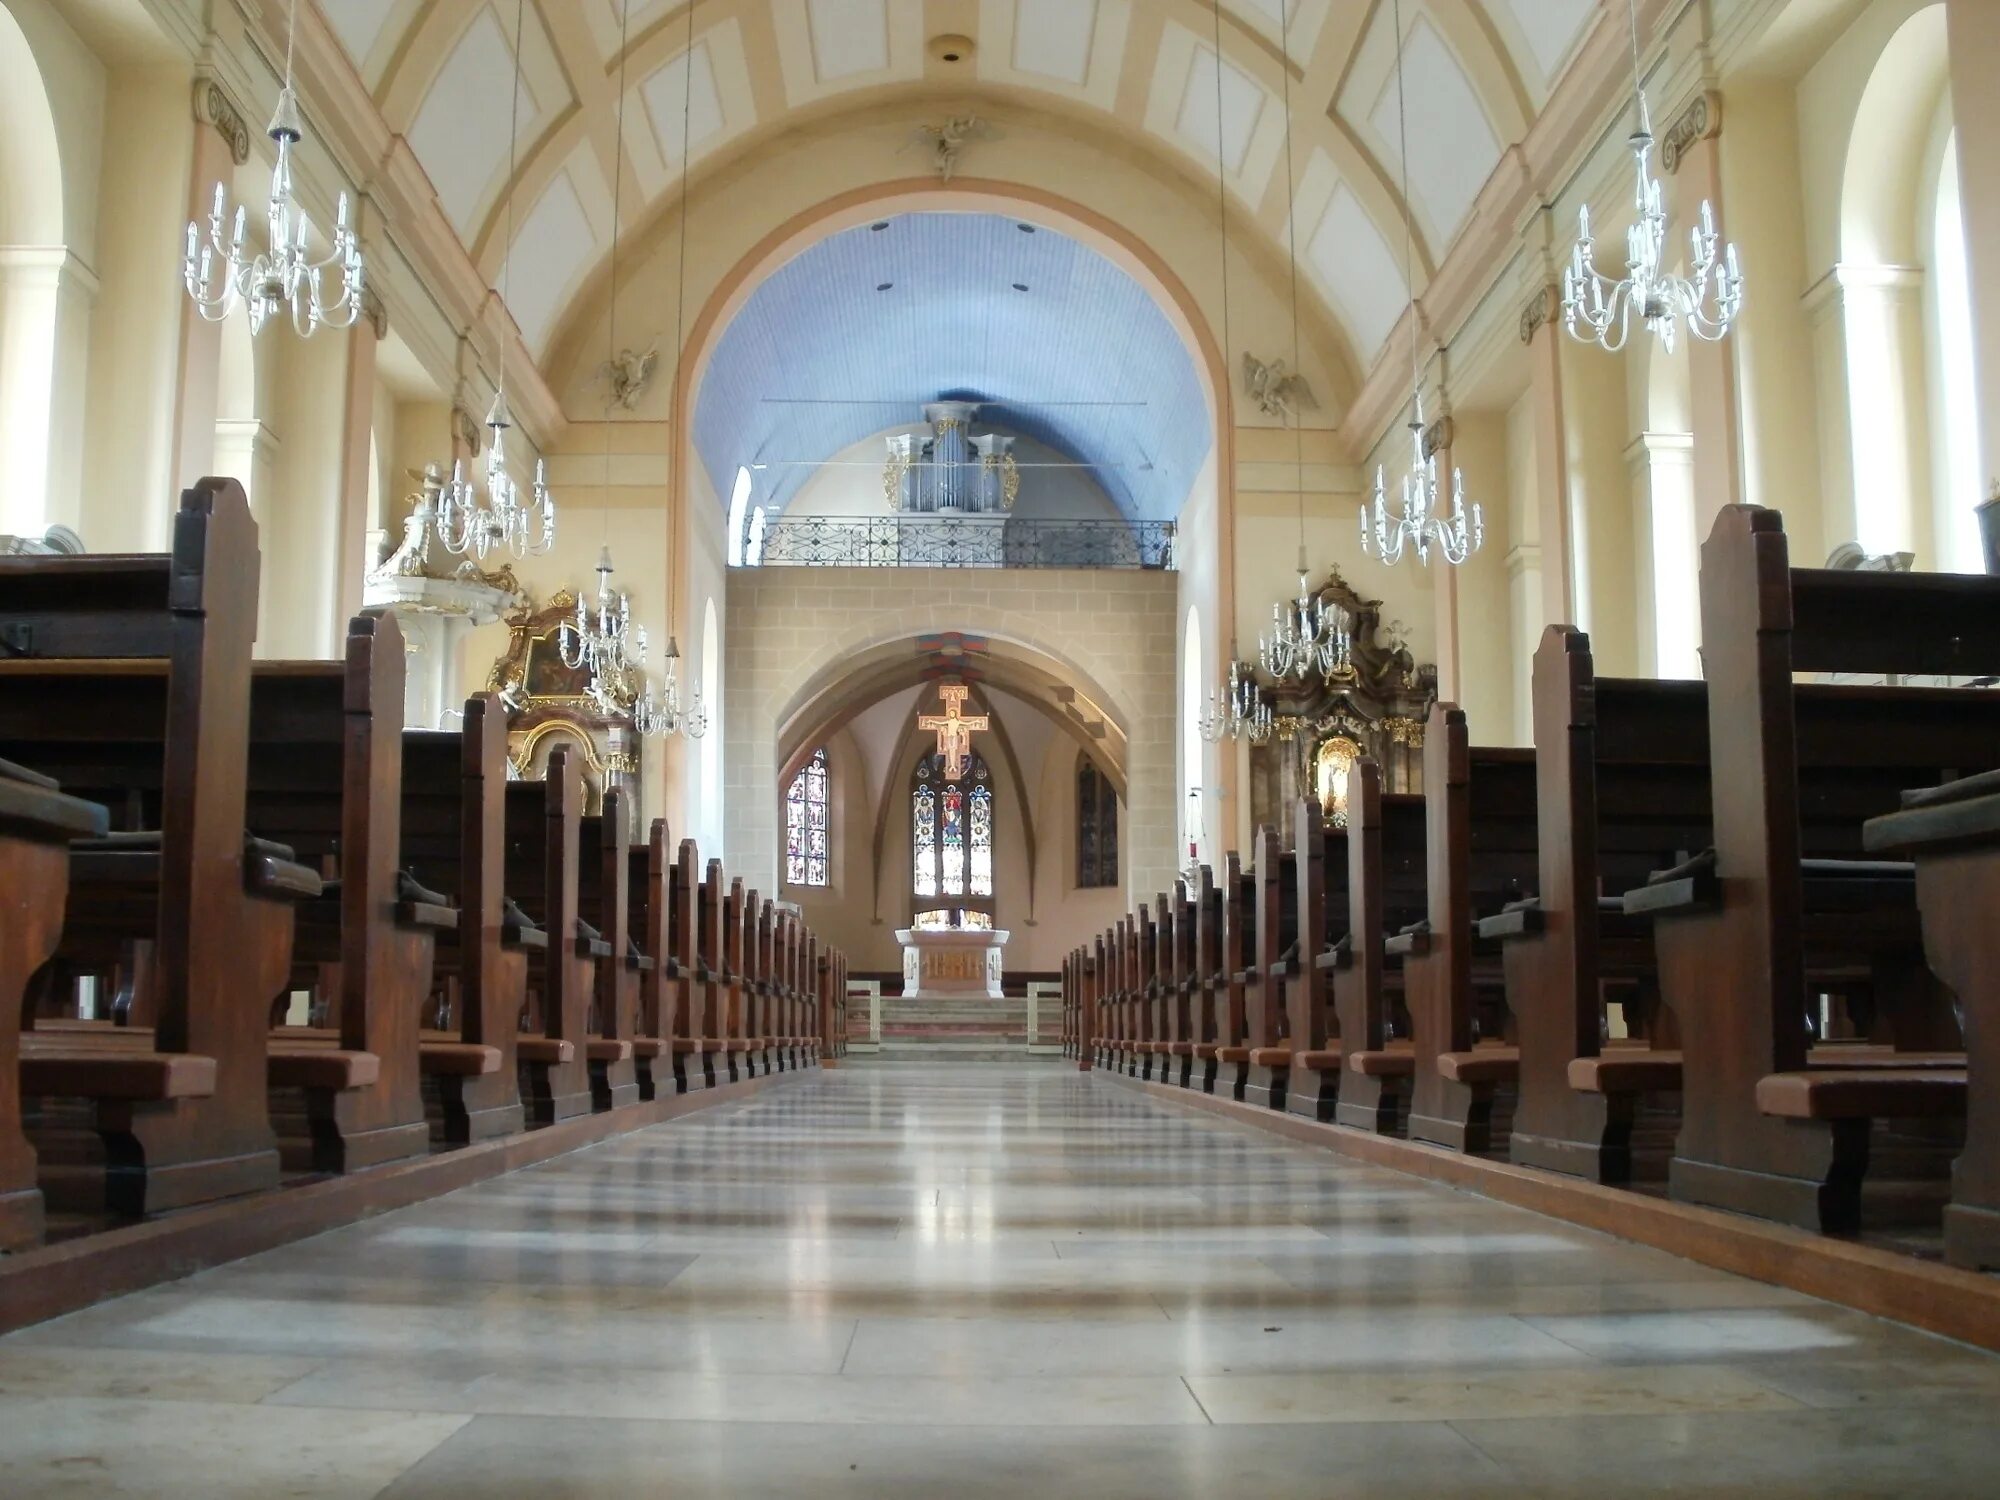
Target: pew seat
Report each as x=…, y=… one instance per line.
x=648, y=1047
x=1383, y=1062
x=1270, y=1057
x=1232, y=1054
x=608, y=1049
x=136, y=1073
x=1863, y=1093
x=447, y=1057
x=547, y=1051
x=1627, y=1070
x=1319, y=1060
x=1481, y=1065
x=1206, y=1051
x=306, y=1065
x=1180, y=1049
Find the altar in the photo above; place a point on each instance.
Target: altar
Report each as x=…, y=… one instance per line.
x=942, y=963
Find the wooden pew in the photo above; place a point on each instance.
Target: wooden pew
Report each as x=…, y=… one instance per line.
x=179, y=1090
x=1177, y=920
x=1953, y=831
x=604, y=900
x=694, y=1049
x=454, y=834
x=725, y=1063
x=1238, y=957
x=37, y=823
x=1386, y=892
x=1621, y=768
x=649, y=922
x=1210, y=982
x=1320, y=919
x=1767, y=1128
x=543, y=830
x=326, y=776
x=757, y=981
x=1479, y=856
x=1268, y=980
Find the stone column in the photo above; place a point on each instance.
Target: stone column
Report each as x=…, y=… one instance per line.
x=1690, y=154
x=221, y=143
x=1444, y=577
x=357, y=453
x=45, y=299
x=1973, y=38
x=1665, y=501
x=1541, y=331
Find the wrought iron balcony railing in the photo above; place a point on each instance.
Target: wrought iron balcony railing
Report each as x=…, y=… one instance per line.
x=931, y=541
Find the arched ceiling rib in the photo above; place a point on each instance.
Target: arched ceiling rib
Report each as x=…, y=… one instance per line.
x=1479, y=70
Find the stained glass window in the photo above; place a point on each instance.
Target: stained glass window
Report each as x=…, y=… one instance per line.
x=951, y=832
x=1096, y=827
x=806, y=825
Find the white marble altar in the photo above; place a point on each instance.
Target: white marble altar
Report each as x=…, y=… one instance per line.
x=951, y=962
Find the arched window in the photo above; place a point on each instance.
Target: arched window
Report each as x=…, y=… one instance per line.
x=807, y=831
x=739, y=506
x=951, y=843
x=1096, y=827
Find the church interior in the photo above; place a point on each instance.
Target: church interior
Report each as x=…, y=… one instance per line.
x=1078, y=747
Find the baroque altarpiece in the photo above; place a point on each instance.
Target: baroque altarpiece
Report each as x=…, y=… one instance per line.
x=549, y=704
x=1375, y=706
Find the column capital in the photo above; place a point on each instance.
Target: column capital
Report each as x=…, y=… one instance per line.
x=1539, y=310
x=375, y=311
x=1436, y=436
x=1701, y=120
x=214, y=107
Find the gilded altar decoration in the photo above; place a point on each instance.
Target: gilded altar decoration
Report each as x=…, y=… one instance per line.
x=549, y=703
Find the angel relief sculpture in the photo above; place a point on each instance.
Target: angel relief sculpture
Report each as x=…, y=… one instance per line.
x=1276, y=391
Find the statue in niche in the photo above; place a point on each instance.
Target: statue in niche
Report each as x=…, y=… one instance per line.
x=629, y=372
x=946, y=143
x=1276, y=392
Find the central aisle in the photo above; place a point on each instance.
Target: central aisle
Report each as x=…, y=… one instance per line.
x=993, y=1281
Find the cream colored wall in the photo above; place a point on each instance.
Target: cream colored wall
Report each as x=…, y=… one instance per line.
x=789, y=629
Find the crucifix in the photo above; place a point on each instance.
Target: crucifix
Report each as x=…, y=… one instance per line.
x=954, y=730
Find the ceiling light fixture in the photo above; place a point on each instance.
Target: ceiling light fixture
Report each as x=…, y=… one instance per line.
x=1417, y=524
x=284, y=275
x=1598, y=310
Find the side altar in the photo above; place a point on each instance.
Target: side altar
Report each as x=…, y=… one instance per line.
x=945, y=963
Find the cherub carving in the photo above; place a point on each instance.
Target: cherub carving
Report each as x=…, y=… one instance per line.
x=629, y=372
x=947, y=142
x=1277, y=393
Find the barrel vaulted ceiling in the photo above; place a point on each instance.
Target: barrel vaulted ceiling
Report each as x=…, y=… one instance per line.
x=1479, y=71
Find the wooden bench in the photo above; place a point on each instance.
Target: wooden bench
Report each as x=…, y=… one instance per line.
x=1268, y=978
x=1479, y=856
x=1177, y=926
x=650, y=928
x=1323, y=910
x=454, y=836
x=1797, y=770
x=604, y=898
x=37, y=823
x=1237, y=958
x=543, y=831
x=1621, y=771
x=199, y=918
x=1953, y=832
x=1204, y=999
x=1386, y=894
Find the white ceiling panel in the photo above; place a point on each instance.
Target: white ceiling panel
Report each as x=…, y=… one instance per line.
x=681, y=95
x=460, y=134
x=1242, y=101
x=1452, y=146
x=552, y=250
x=358, y=23
x=1052, y=38
x=1551, y=27
x=1358, y=271
x=848, y=37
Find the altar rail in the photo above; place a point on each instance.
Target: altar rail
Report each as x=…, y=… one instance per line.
x=931, y=541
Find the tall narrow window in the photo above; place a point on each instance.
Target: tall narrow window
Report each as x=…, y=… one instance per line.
x=1096, y=827
x=951, y=839
x=806, y=842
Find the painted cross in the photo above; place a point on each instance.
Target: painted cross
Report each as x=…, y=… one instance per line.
x=954, y=730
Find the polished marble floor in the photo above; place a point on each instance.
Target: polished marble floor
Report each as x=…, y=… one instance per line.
x=987, y=1281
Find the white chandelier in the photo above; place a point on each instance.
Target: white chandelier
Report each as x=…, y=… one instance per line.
x=1307, y=636
x=1598, y=310
x=522, y=525
x=665, y=715
x=1247, y=715
x=1417, y=523
x=284, y=275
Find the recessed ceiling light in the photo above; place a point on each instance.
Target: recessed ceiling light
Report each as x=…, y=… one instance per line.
x=1025, y=228
x=951, y=47
x=1020, y=286
x=879, y=225
x=884, y=286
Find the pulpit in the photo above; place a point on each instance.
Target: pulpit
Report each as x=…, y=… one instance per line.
x=943, y=963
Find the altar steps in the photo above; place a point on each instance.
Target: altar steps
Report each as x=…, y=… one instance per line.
x=961, y=1029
